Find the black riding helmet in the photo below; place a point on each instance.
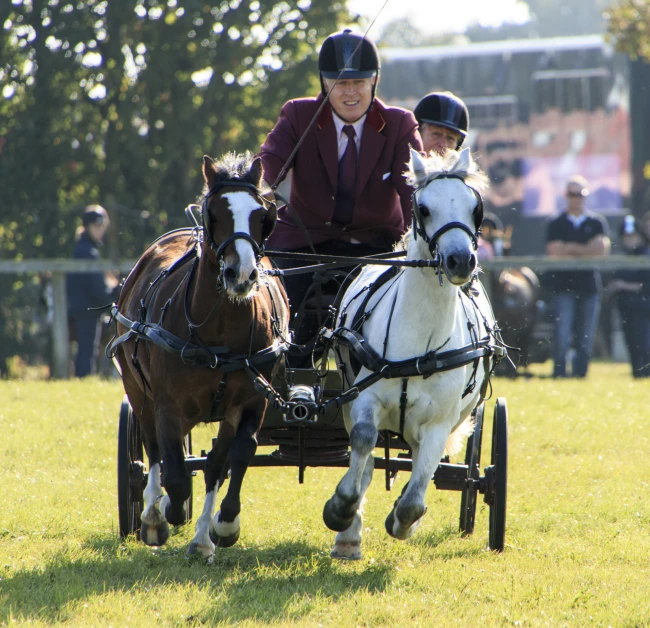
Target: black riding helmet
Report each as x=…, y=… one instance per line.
x=348, y=55
x=444, y=109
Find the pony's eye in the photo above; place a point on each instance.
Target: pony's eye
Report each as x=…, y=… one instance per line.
x=424, y=211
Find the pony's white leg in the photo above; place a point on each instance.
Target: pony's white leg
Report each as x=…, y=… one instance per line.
x=155, y=529
x=409, y=509
x=347, y=544
x=201, y=541
x=341, y=508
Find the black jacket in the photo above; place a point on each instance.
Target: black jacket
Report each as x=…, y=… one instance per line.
x=87, y=290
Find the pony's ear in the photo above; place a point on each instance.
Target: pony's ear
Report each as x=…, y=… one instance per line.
x=209, y=170
x=256, y=171
x=464, y=161
x=417, y=165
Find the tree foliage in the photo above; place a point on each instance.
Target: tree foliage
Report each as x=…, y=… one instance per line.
x=628, y=25
x=116, y=103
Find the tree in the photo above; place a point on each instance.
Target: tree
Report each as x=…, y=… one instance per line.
x=627, y=26
x=116, y=102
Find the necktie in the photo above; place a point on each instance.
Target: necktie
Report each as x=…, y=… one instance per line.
x=347, y=179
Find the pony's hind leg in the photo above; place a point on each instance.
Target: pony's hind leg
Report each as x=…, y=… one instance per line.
x=225, y=527
x=409, y=508
x=216, y=469
x=154, y=529
x=341, y=510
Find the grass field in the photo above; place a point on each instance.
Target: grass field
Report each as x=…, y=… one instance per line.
x=577, y=540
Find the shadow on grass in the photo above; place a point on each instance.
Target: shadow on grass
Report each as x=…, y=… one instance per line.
x=442, y=536
x=243, y=583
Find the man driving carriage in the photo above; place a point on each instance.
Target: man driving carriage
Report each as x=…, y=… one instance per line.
x=348, y=194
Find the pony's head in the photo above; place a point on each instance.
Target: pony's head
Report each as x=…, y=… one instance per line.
x=447, y=210
x=238, y=217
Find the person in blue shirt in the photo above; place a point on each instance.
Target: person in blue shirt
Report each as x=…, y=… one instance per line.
x=631, y=289
x=88, y=290
x=576, y=232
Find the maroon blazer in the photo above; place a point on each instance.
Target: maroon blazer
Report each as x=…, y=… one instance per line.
x=382, y=208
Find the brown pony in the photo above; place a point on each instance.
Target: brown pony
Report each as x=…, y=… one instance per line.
x=199, y=320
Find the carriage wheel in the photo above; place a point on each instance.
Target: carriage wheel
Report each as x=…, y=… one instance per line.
x=499, y=463
x=188, y=454
x=131, y=476
x=473, y=461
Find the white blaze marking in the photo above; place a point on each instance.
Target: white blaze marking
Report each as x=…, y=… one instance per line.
x=242, y=205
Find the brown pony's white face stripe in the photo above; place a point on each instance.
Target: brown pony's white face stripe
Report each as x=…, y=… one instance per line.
x=243, y=272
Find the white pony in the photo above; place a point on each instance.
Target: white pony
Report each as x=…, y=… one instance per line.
x=417, y=313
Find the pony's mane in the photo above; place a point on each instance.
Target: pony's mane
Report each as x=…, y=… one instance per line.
x=436, y=165
x=235, y=166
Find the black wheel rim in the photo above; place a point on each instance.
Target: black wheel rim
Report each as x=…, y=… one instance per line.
x=473, y=462
x=190, y=499
x=499, y=461
x=130, y=471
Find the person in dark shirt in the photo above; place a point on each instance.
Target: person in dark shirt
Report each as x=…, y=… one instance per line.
x=88, y=290
x=631, y=287
x=576, y=232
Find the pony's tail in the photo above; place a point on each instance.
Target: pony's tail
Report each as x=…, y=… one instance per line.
x=458, y=437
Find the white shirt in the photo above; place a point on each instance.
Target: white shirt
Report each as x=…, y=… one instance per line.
x=343, y=138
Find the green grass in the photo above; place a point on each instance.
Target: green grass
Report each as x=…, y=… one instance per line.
x=577, y=542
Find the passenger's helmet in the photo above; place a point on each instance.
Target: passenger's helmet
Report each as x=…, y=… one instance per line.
x=348, y=55
x=444, y=109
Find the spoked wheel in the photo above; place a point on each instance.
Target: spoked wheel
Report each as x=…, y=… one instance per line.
x=131, y=476
x=497, y=476
x=190, y=499
x=473, y=462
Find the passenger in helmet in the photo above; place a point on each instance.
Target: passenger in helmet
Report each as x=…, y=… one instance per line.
x=347, y=183
x=443, y=121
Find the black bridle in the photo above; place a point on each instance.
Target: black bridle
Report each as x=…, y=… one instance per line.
x=418, y=222
x=269, y=220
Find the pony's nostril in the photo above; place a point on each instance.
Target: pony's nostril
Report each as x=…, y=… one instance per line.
x=229, y=274
x=254, y=275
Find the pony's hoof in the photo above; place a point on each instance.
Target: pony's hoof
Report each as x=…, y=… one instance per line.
x=346, y=551
x=398, y=530
x=198, y=550
x=175, y=516
x=223, y=533
x=333, y=520
x=154, y=535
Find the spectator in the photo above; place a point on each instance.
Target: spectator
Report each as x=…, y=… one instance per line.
x=347, y=184
x=631, y=288
x=576, y=294
x=88, y=290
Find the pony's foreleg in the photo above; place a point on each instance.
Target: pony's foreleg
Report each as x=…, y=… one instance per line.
x=225, y=528
x=154, y=529
x=340, y=509
x=409, y=509
x=216, y=468
x=347, y=544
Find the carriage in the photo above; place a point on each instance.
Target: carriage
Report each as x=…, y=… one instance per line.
x=326, y=413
